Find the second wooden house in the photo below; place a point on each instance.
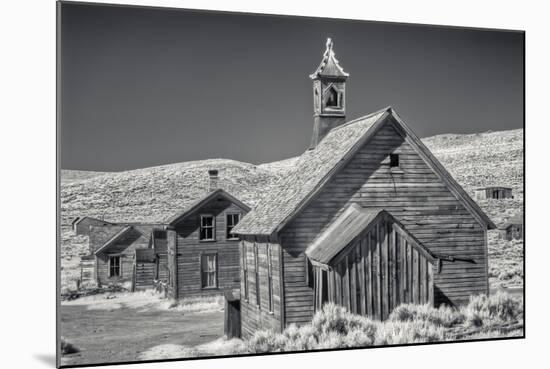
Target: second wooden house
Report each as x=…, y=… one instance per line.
x=202, y=252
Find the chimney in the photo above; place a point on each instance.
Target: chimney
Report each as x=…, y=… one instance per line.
x=329, y=95
x=213, y=174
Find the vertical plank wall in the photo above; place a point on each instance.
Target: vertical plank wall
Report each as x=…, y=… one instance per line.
x=255, y=317
x=375, y=275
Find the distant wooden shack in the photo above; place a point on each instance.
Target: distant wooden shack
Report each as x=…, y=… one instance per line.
x=202, y=251
x=493, y=192
x=368, y=218
x=81, y=225
x=513, y=228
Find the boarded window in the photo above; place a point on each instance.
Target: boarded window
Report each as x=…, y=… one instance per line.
x=257, y=274
x=207, y=227
x=269, y=279
x=245, y=271
x=231, y=222
x=114, y=266
x=209, y=270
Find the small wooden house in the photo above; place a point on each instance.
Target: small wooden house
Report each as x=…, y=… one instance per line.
x=81, y=225
x=113, y=252
x=493, y=192
x=202, y=251
x=368, y=218
x=513, y=228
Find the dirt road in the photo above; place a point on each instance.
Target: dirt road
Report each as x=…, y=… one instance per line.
x=122, y=334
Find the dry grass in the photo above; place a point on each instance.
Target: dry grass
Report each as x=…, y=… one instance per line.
x=443, y=316
x=195, y=304
x=492, y=311
x=148, y=300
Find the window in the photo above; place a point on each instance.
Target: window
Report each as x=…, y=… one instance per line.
x=245, y=270
x=209, y=270
x=332, y=98
x=309, y=273
x=257, y=274
x=207, y=228
x=269, y=279
x=231, y=222
x=114, y=266
x=394, y=160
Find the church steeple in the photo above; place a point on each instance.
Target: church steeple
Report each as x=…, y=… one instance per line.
x=329, y=95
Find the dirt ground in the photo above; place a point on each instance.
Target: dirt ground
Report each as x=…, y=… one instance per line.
x=122, y=333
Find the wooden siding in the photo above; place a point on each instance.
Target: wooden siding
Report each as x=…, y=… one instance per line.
x=125, y=247
x=255, y=317
x=413, y=194
x=190, y=249
x=375, y=273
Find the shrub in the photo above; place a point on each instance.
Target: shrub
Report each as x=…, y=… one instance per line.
x=266, y=341
x=414, y=331
x=483, y=310
x=334, y=318
x=444, y=316
x=300, y=338
x=67, y=347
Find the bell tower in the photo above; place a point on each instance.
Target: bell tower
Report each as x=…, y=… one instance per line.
x=329, y=95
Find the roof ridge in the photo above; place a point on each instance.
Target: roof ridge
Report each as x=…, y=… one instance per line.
x=356, y=120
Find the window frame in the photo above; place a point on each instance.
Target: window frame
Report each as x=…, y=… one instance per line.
x=212, y=227
x=208, y=254
x=111, y=257
x=228, y=236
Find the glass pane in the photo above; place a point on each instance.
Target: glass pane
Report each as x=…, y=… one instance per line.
x=211, y=263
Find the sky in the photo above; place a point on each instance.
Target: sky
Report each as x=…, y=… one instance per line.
x=142, y=87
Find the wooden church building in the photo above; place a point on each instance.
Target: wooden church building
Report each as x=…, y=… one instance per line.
x=368, y=218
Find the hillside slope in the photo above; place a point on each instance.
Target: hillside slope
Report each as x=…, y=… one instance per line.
x=69, y=176
x=483, y=159
x=153, y=194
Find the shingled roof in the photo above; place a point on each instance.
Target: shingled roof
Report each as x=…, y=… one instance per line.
x=197, y=204
x=316, y=166
x=341, y=232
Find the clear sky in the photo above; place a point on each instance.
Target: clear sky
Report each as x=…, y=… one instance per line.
x=145, y=86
